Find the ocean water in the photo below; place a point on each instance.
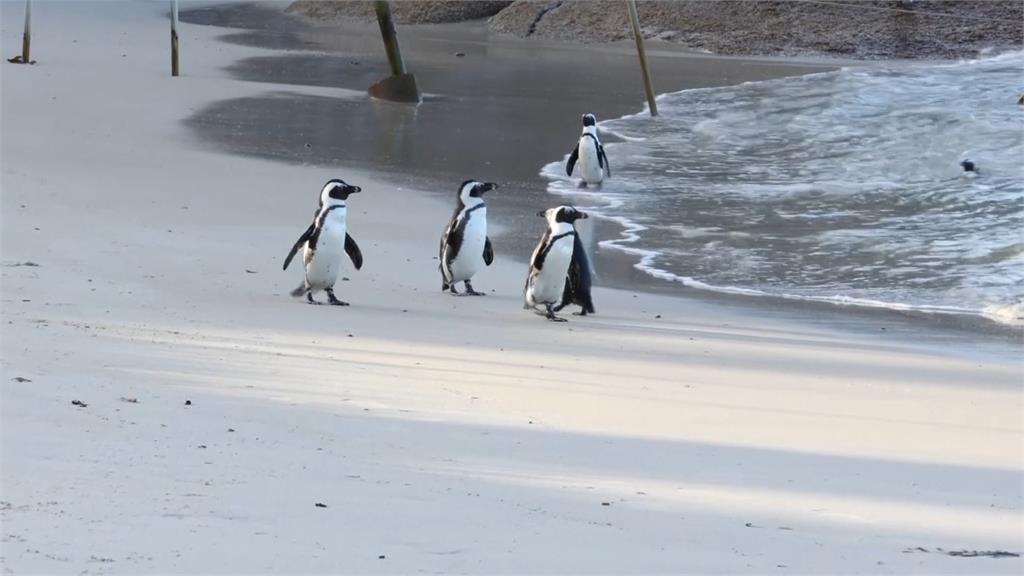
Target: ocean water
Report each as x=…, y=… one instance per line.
x=843, y=187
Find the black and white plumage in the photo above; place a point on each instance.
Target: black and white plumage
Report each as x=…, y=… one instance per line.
x=578, y=281
x=464, y=243
x=590, y=154
x=549, y=265
x=324, y=242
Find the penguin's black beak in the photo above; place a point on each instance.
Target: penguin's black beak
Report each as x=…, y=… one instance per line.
x=541, y=213
x=354, y=189
x=488, y=186
x=582, y=215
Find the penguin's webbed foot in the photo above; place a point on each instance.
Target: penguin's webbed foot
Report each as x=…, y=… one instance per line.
x=453, y=291
x=309, y=298
x=469, y=290
x=333, y=300
x=551, y=315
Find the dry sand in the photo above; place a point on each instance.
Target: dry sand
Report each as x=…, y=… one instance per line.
x=441, y=434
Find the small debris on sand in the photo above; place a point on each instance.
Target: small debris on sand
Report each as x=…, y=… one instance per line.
x=321, y=505
x=986, y=553
x=381, y=557
x=20, y=379
x=231, y=429
x=78, y=403
x=130, y=400
x=188, y=402
x=247, y=271
x=606, y=503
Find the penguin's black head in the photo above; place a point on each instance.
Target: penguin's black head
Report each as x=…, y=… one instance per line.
x=969, y=166
x=338, y=190
x=563, y=214
x=589, y=120
x=474, y=189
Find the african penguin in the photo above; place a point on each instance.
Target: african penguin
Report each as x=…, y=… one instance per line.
x=590, y=153
x=549, y=264
x=323, y=243
x=464, y=243
x=578, y=280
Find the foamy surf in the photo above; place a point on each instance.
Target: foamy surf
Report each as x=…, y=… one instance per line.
x=841, y=187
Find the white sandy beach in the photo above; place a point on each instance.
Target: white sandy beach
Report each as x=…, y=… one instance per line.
x=454, y=435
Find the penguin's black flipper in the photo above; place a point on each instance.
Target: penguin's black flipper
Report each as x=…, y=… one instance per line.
x=580, y=276
x=352, y=249
x=603, y=160
x=542, y=251
x=488, y=252
x=572, y=160
x=298, y=243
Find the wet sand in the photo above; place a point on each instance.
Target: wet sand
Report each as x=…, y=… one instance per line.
x=500, y=112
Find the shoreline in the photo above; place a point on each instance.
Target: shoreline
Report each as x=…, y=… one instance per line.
x=354, y=63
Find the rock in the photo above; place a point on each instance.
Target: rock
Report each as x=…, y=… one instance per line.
x=78, y=403
x=321, y=505
x=406, y=12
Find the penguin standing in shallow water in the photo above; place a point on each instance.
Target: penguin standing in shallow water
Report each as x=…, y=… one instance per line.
x=549, y=265
x=464, y=244
x=590, y=154
x=324, y=242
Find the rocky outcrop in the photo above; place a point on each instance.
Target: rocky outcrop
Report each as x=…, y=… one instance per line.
x=407, y=12
x=847, y=28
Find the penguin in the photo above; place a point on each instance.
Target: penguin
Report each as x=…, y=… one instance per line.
x=970, y=168
x=549, y=265
x=578, y=281
x=464, y=243
x=590, y=153
x=323, y=242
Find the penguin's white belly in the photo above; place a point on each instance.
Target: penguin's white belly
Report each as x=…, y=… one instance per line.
x=471, y=255
x=322, y=270
x=548, y=284
x=590, y=167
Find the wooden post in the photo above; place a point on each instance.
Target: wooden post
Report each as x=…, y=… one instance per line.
x=387, y=30
x=400, y=86
x=634, y=19
x=174, y=38
x=26, y=38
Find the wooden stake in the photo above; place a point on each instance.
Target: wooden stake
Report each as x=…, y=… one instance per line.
x=174, y=38
x=26, y=38
x=634, y=19
x=387, y=30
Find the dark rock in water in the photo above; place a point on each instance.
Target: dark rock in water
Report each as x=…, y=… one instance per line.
x=969, y=166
